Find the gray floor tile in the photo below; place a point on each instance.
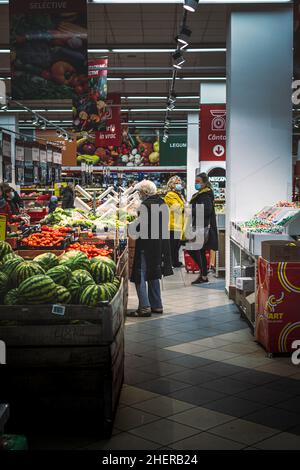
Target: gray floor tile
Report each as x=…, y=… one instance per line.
x=164, y=406
x=227, y=385
x=132, y=395
x=137, y=348
x=162, y=355
x=197, y=395
x=163, y=386
x=274, y=418
x=221, y=369
x=255, y=377
x=194, y=376
x=206, y=441
x=292, y=404
x=164, y=432
x=266, y=395
x=190, y=362
x=244, y=432
x=282, y=441
x=123, y=441
x=201, y=418
x=163, y=369
x=234, y=406
x=135, y=376
x=129, y=418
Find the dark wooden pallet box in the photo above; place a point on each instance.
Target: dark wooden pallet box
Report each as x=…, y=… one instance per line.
x=63, y=372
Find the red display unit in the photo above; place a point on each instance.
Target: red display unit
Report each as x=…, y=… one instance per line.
x=278, y=305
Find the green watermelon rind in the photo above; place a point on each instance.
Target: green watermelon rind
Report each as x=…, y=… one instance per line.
x=101, y=272
x=37, y=289
x=60, y=275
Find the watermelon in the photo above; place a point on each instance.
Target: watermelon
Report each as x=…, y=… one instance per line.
x=10, y=256
x=39, y=289
x=9, y=266
x=101, y=272
x=75, y=260
x=111, y=289
x=63, y=296
x=116, y=282
x=61, y=275
x=46, y=260
x=26, y=270
x=5, y=248
x=80, y=279
x=12, y=297
x=3, y=283
x=92, y=296
x=105, y=259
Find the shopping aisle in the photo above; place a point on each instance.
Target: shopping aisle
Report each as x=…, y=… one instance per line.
x=196, y=379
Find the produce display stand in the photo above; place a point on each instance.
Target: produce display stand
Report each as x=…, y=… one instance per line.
x=65, y=366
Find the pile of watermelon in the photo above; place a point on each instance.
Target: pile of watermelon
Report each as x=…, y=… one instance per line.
x=71, y=278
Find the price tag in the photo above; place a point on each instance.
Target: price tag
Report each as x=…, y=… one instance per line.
x=2, y=227
x=58, y=310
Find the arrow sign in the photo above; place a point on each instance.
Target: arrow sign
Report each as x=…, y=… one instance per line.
x=218, y=150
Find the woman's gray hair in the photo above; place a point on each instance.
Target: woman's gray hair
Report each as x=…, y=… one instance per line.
x=146, y=188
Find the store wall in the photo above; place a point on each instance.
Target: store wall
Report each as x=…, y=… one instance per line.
x=212, y=93
x=259, y=111
x=192, y=152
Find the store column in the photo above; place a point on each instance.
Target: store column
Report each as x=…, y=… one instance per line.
x=192, y=152
x=10, y=123
x=259, y=113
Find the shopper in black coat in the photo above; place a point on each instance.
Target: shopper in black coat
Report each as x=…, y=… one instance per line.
x=204, y=196
x=68, y=197
x=152, y=258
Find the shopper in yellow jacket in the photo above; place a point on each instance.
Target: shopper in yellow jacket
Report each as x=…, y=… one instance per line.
x=175, y=201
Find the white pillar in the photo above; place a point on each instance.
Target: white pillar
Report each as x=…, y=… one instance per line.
x=259, y=112
x=192, y=152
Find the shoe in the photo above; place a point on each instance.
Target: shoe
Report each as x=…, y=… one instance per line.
x=142, y=312
x=157, y=310
x=199, y=280
x=178, y=265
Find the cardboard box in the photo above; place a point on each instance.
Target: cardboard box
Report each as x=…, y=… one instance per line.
x=232, y=293
x=250, y=306
x=245, y=284
x=281, y=251
x=222, y=249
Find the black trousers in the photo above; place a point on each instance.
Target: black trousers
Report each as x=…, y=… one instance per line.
x=200, y=258
x=175, y=243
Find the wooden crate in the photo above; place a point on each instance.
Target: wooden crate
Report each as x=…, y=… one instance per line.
x=123, y=273
x=30, y=254
x=63, y=371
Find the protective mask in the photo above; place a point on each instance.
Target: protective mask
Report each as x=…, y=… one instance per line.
x=178, y=187
x=198, y=186
x=12, y=194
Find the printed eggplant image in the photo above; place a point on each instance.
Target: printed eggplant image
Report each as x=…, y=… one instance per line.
x=48, y=49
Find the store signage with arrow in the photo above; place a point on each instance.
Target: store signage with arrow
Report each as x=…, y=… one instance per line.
x=213, y=132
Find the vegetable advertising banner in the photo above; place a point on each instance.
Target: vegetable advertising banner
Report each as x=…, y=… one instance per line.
x=48, y=42
x=213, y=132
x=112, y=133
x=89, y=102
x=174, y=151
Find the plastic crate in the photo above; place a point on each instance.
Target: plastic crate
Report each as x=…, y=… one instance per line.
x=191, y=265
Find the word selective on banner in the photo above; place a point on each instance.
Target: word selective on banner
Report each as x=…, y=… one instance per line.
x=48, y=48
x=213, y=132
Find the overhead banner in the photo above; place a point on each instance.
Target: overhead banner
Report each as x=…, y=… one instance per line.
x=212, y=132
x=89, y=106
x=112, y=133
x=174, y=151
x=48, y=43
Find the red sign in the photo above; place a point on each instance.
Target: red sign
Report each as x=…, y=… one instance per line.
x=213, y=132
x=112, y=136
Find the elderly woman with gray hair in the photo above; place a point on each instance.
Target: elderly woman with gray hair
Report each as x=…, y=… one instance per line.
x=152, y=258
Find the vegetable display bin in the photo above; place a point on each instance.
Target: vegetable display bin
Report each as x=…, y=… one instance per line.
x=65, y=366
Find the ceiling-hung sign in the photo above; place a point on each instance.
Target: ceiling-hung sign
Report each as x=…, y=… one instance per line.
x=48, y=43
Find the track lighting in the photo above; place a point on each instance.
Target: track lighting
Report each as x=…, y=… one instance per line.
x=70, y=139
x=191, y=5
x=43, y=125
x=184, y=36
x=65, y=136
x=167, y=124
x=4, y=107
x=178, y=59
x=173, y=97
x=170, y=106
x=58, y=133
x=35, y=121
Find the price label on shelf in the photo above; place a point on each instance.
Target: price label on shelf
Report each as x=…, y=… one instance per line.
x=58, y=310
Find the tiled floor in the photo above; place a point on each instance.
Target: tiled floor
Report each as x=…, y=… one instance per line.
x=196, y=379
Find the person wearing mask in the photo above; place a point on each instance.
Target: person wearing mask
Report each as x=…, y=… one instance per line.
x=204, y=196
x=13, y=199
x=53, y=203
x=4, y=206
x=68, y=197
x=152, y=258
x=175, y=202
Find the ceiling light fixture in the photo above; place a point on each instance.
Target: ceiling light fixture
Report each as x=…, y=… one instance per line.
x=191, y=5
x=184, y=36
x=178, y=59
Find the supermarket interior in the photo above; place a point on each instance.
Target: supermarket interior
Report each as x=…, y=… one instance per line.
x=121, y=329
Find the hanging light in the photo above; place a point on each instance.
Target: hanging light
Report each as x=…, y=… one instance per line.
x=43, y=125
x=184, y=36
x=178, y=59
x=58, y=133
x=4, y=107
x=35, y=121
x=191, y=5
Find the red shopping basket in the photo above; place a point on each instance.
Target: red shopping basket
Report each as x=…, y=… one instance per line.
x=191, y=265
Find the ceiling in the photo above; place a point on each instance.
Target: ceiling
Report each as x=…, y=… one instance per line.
x=137, y=26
